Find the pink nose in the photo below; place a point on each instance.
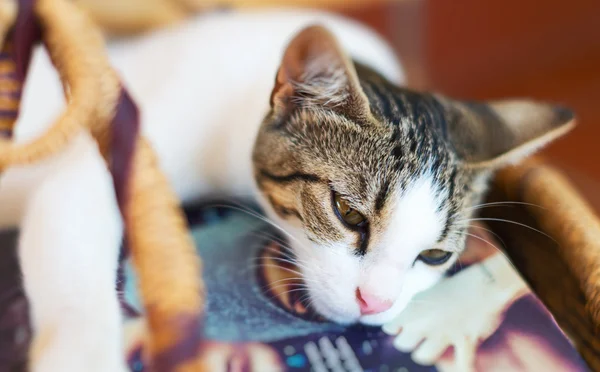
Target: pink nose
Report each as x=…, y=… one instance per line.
x=370, y=304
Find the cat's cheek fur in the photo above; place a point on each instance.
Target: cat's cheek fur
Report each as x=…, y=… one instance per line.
x=332, y=274
x=330, y=271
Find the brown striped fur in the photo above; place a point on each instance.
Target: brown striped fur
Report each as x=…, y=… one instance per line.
x=338, y=125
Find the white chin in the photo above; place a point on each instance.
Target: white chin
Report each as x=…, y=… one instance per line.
x=346, y=317
x=342, y=316
x=336, y=315
x=379, y=319
x=350, y=314
x=386, y=316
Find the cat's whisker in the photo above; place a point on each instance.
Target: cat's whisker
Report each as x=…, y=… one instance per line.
x=457, y=262
x=257, y=262
x=243, y=208
x=266, y=235
x=287, y=280
x=289, y=256
x=308, y=302
x=494, y=246
x=293, y=260
x=287, y=251
x=275, y=266
x=236, y=202
x=305, y=297
x=260, y=217
x=501, y=204
x=272, y=288
x=282, y=283
x=511, y=222
x=296, y=264
x=275, y=253
x=491, y=232
x=276, y=295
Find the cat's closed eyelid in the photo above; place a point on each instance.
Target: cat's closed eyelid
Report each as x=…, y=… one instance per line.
x=293, y=177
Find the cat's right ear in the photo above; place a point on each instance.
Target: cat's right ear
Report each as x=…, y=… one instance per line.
x=498, y=133
x=315, y=72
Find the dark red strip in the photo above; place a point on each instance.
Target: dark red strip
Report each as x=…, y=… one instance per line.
x=8, y=114
x=124, y=128
x=187, y=348
x=26, y=33
x=124, y=131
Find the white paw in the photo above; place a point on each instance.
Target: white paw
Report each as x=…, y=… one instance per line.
x=460, y=311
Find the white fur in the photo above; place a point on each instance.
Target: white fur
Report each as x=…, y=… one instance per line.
x=202, y=89
x=333, y=271
x=416, y=225
x=70, y=236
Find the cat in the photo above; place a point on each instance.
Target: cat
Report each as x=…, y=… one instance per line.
x=304, y=111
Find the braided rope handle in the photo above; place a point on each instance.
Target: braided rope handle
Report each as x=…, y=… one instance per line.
x=163, y=253
x=77, y=57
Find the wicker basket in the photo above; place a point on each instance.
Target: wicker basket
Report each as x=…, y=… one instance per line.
x=561, y=260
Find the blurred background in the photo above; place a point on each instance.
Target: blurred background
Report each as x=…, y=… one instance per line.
x=471, y=49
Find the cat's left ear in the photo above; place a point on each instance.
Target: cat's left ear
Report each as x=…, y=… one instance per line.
x=315, y=71
x=499, y=133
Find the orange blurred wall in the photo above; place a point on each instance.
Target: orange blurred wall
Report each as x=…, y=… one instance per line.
x=548, y=50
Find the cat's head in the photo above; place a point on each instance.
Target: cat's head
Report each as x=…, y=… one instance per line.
x=375, y=183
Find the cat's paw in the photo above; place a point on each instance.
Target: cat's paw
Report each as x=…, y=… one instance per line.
x=460, y=311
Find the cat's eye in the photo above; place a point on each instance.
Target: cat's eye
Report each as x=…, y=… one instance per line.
x=346, y=213
x=434, y=256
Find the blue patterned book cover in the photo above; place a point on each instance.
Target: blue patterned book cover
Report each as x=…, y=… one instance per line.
x=259, y=319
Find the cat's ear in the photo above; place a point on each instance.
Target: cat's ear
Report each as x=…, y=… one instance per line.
x=499, y=133
x=315, y=71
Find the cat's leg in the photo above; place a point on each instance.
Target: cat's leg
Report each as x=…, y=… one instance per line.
x=69, y=243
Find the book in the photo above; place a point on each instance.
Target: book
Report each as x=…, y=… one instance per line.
x=481, y=317
x=256, y=317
